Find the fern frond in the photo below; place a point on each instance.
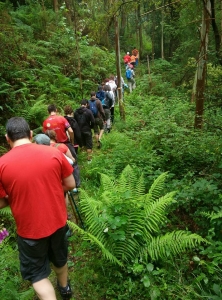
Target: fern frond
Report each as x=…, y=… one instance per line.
x=6, y=211
x=173, y=243
x=216, y=215
x=87, y=236
x=155, y=212
x=157, y=187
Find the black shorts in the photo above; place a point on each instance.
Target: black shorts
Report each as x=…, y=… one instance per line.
x=35, y=255
x=87, y=139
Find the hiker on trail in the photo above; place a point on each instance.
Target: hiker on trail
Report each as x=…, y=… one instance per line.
x=130, y=77
x=100, y=94
x=69, y=116
x=59, y=124
x=85, y=119
x=62, y=127
x=133, y=60
x=51, y=134
x=126, y=58
x=33, y=181
x=107, y=104
x=112, y=84
x=96, y=107
x=135, y=53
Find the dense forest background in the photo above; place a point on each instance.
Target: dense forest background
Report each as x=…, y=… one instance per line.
x=151, y=198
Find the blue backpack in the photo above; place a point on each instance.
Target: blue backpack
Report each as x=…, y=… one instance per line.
x=93, y=107
x=128, y=74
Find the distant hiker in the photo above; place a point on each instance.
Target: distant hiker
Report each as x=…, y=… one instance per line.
x=95, y=106
x=69, y=116
x=130, y=77
x=126, y=58
x=100, y=94
x=62, y=127
x=107, y=104
x=133, y=60
x=33, y=181
x=113, y=86
x=135, y=52
x=86, y=122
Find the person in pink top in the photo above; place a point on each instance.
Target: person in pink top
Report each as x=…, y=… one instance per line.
x=33, y=181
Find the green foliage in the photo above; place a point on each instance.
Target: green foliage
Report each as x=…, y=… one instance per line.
x=126, y=223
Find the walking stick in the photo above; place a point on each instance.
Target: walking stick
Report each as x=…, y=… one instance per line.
x=73, y=203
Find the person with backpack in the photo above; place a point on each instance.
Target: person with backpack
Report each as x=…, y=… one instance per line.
x=69, y=116
x=86, y=121
x=100, y=94
x=107, y=104
x=63, y=130
x=130, y=77
x=135, y=53
x=95, y=106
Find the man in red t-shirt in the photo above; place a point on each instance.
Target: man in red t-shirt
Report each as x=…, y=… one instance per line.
x=59, y=124
x=126, y=58
x=33, y=179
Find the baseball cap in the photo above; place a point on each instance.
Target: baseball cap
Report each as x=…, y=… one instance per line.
x=127, y=53
x=42, y=139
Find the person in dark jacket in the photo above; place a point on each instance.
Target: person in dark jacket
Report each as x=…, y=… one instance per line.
x=107, y=106
x=69, y=116
x=100, y=118
x=86, y=121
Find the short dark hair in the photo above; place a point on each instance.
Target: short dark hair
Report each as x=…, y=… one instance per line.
x=17, y=128
x=52, y=108
x=107, y=87
x=84, y=102
x=68, y=110
x=93, y=93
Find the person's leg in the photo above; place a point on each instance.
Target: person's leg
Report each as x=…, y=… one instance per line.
x=130, y=85
x=44, y=289
x=89, y=145
x=58, y=256
x=62, y=275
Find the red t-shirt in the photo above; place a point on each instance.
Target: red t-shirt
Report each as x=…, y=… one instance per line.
x=61, y=147
x=126, y=58
x=31, y=176
x=59, y=124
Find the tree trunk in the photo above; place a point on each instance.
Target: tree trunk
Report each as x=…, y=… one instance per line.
x=118, y=69
x=202, y=65
x=162, y=26
x=55, y=6
x=216, y=33
x=140, y=29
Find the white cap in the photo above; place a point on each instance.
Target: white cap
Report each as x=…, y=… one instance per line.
x=127, y=53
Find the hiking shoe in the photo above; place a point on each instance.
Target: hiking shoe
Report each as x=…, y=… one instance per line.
x=65, y=292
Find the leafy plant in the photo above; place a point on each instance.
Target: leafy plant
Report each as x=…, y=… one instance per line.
x=126, y=222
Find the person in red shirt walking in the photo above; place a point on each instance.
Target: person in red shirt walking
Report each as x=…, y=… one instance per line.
x=33, y=181
x=62, y=129
x=126, y=58
x=59, y=124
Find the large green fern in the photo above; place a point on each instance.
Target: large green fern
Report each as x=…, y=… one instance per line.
x=126, y=223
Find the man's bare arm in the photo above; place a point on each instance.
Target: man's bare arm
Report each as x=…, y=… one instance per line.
x=68, y=183
x=71, y=135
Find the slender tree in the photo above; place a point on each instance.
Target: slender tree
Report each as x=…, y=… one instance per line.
x=202, y=64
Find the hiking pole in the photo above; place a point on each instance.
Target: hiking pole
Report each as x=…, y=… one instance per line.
x=76, y=208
